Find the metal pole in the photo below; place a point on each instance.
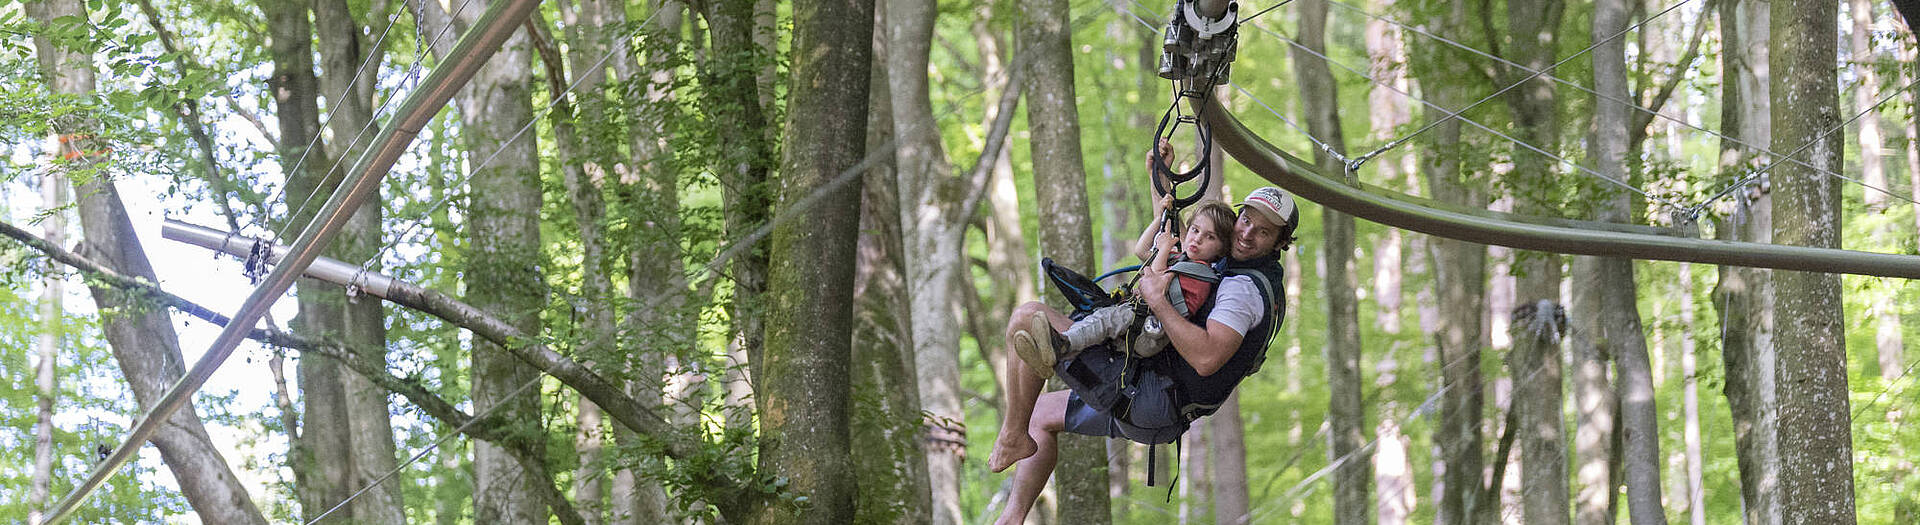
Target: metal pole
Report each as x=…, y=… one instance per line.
x=1486, y=227
x=323, y=268
x=479, y=43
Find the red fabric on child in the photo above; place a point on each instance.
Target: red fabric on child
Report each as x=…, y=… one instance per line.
x=1195, y=291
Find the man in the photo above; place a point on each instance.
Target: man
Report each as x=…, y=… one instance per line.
x=1206, y=364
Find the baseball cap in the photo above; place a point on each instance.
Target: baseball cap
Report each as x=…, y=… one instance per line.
x=1275, y=205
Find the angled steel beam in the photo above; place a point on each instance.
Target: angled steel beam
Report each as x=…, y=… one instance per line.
x=479, y=43
x=1558, y=236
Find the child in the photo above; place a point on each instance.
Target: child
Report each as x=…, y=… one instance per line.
x=1209, y=227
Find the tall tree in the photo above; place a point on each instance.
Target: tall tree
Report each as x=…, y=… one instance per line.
x=1816, y=444
x=930, y=217
x=1346, y=419
x=583, y=168
x=1060, y=192
x=658, y=317
x=142, y=339
x=1883, y=303
x=1386, y=63
x=1460, y=284
x=1533, y=35
x=804, y=429
x=731, y=94
x=1609, y=281
x=1744, y=296
x=1537, y=327
x=891, y=469
x=366, y=431
x=1533, y=44
x=503, y=222
x=53, y=194
x=318, y=484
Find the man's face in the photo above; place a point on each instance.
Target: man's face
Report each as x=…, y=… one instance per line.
x=1254, y=236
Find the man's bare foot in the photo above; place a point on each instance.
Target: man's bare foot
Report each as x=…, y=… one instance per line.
x=1009, y=449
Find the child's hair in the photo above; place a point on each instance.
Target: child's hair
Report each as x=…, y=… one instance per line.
x=1223, y=219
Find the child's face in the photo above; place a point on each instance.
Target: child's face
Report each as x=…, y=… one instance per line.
x=1200, y=243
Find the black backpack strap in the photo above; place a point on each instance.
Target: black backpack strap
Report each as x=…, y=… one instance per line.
x=1273, y=309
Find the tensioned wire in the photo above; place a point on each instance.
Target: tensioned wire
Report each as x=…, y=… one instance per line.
x=1762, y=170
x=1402, y=140
x=478, y=417
x=1610, y=98
x=1352, y=164
x=413, y=72
x=1692, y=210
x=357, y=73
x=1299, y=489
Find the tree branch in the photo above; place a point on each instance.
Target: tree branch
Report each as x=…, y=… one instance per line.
x=184, y=62
x=996, y=141
x=642, y=418
x=1637, y=132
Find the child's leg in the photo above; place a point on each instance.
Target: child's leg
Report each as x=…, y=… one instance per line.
x=1104, y=323
x=1151, y=339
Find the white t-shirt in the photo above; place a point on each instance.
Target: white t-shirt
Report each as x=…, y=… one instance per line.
x=1237, y=304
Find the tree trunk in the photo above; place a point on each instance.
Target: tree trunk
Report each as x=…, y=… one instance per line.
x=1696, y=492
x=1346, y=418
x=583, y=168
x=1534, y=30
x=1229, y=453
x=929, y=200
x=367, y=431
x=143, y=340
x=1883, y=300
x=1460, y=284
x=1060, y=192
x=53, y=192
x=808, y=359
x=318, y=455
x=891, y=471
x=1386, y=63
x=1816, y=445
x=730, y=73
x=1744, y=296
x=659, y=320
x=502, y=275
x=1612, y=279
x=1535, y=361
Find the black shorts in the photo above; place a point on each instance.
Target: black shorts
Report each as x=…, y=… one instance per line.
x=1114, y=395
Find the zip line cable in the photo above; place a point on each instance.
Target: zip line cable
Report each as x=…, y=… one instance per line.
x=448, y=198
x=1756, y=173
x=357, y=72
x=1402, y=140
x=1354, y=166
x=1610, y=98
x=413, y=72
x=482, y=415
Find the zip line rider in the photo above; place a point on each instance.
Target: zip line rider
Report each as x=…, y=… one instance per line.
x=1151, y=400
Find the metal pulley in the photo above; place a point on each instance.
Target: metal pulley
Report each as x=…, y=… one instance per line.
x=1199, y=40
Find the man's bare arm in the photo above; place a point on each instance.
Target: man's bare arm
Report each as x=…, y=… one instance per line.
x=1205, y=348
